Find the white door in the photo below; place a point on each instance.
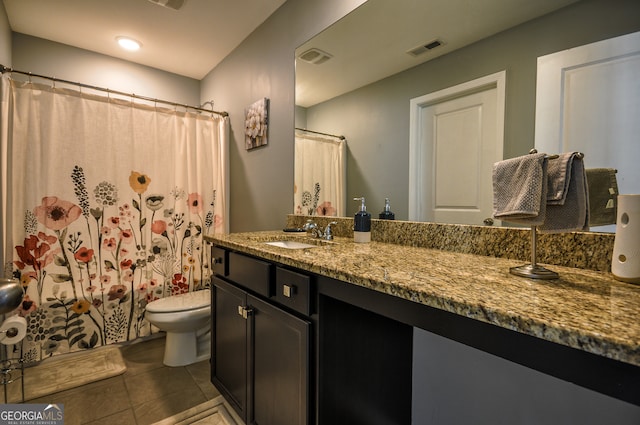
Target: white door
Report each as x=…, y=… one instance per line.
x=588, y=100
x=456, y=137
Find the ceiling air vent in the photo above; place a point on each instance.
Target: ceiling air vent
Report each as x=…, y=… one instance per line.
x=315, y=56
x=423, y=48
x=171, y=4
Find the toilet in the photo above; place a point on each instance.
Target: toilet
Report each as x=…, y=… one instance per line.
x=186, y=318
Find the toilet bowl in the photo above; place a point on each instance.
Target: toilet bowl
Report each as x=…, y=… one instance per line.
x=186, y=319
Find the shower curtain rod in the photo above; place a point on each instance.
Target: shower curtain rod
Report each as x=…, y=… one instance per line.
x=4, y=69
x=323, y=134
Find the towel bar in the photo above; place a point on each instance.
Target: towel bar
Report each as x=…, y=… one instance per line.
x=533, y=270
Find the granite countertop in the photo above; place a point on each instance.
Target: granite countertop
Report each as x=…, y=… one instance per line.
x=583, y=309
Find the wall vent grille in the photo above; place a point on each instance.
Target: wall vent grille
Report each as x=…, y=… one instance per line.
x=423, y=48
x=315, y=56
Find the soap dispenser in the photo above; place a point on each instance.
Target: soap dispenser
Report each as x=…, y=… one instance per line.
x=362, y=224
x=386, y=214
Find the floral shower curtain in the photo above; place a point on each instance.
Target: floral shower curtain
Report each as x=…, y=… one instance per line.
x=104, y=205
x=320, y=174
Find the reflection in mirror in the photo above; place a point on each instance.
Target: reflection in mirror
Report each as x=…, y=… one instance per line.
x=319, y=173
x=369, y=104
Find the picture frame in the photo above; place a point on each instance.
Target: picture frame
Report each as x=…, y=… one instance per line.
x=256, y=124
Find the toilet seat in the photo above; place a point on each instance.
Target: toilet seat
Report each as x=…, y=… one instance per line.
x=181, y=303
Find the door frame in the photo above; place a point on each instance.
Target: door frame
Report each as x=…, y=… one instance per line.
x=417, y=147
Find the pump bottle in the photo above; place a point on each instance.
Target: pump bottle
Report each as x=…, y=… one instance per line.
x=386, y=214
x=362, y=224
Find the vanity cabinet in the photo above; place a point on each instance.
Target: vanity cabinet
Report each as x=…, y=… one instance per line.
x=260, y=358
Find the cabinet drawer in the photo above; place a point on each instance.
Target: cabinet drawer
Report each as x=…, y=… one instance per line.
x=293, y=290
x=219, y=261
x=251, y=273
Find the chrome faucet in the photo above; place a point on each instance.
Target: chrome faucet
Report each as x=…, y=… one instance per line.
x=312, y=229
x=316, y=231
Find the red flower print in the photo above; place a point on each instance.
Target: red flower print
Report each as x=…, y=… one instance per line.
x=105, y=230
x=57, y=214
x=105, y=279
x=125, y=264
x=179, y=284
x=195, y=203
x=126, y=235
x=217, y=220
x=159, y=227
x=36, y=252
x=326, y=208
x=109, y=244
x=113, y=222
x=117, y=292
x=83, y=255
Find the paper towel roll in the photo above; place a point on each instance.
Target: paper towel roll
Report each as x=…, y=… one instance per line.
x=13, y=330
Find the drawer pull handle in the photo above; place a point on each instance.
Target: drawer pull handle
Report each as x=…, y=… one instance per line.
x=245, y=312
x=288, y=290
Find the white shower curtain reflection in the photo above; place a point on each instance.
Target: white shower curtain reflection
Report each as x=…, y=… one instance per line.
x=105, y=203
x=320, y=174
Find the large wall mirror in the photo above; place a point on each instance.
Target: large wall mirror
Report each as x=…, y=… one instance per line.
x=357, y=78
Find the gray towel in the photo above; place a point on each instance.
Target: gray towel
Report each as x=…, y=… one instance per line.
x=568, y=205
x=603, y=196
x=558, y=178
x=520, y=189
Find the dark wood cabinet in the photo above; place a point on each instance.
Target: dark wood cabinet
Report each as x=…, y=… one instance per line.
x=260, y=359
x=229, y=351
x=280, y=360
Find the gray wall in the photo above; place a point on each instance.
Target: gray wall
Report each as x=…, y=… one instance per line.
x=263, y=66
x=5, y=37
x=378, y=155
x=39, y=56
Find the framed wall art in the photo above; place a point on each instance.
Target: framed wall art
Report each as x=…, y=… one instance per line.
x=256, y=124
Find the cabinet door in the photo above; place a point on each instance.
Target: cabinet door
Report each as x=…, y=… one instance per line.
x=229, y=345
x=280, y=369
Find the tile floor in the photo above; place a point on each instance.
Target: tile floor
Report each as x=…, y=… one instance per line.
x=146, y=393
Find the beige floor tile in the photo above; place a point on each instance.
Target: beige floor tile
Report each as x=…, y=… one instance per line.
x=157, y=383
x=143, y=356
x=92, y=401
x=201, y=373
x=168, y=405
x=125, y=417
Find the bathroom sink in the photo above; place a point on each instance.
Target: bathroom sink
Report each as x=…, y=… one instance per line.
x=289, y=244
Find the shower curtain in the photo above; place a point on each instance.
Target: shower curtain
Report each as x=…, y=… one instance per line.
x=104, y=205
x=320, y=174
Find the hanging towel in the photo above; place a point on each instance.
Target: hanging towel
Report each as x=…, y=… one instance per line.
x=603, y=196
x=568, y=205
x=558, y=178
x=520, y=189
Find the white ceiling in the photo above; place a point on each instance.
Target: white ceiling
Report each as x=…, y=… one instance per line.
x=371, y=42
x=190, y=41
x=368, y=44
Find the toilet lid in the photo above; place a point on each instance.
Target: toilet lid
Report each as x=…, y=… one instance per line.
x=182, y=302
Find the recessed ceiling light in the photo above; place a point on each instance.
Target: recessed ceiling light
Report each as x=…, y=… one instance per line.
x=129, y=43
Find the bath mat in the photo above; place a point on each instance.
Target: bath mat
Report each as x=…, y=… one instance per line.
x=212, y=412
x=67, y=371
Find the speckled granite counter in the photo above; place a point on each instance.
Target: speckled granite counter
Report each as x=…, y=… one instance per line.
x=583, y=309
